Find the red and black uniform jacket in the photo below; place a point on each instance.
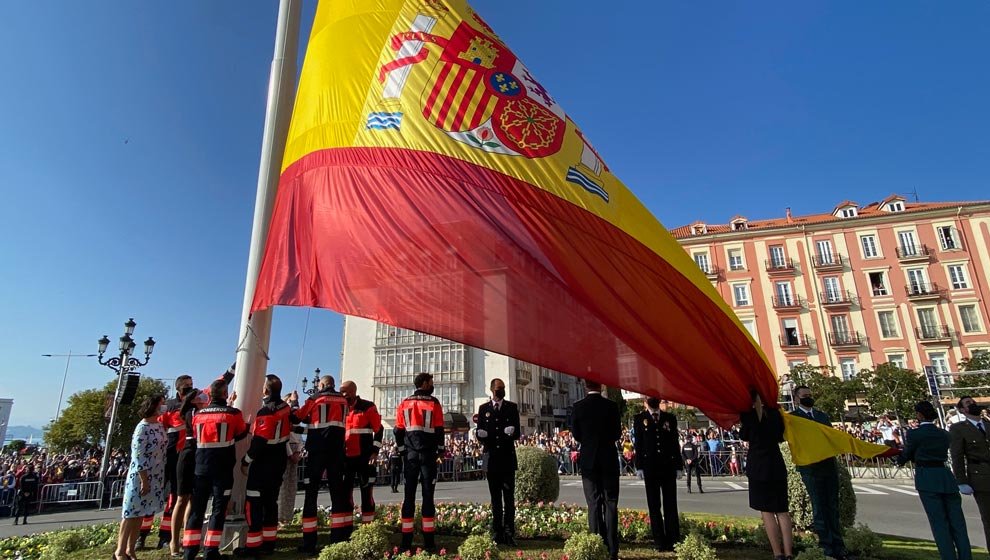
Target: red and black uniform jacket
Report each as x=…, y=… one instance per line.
x=270, y=432
x=324, y=414
x=184, y=416
x=175, y=426
x=364, y=430
x=217, y=428
x=419, y=424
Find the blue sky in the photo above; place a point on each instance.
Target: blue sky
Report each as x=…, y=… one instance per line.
x=130, y=135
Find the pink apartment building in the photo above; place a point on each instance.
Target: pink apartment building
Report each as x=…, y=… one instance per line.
x=891, y=281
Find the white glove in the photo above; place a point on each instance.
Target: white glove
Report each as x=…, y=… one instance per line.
x=680, y=474
x=966, y=489
x=481, y=433
x=509, y=430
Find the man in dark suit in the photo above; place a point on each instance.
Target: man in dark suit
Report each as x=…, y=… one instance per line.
x=691, y=457
x=822, y=481
x=597, y=427
x=928, y=447
x=970, y=452
x=658, y=456
x=498, y=430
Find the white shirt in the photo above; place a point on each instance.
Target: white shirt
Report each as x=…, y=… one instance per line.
x=808, y=411
x=977, y=423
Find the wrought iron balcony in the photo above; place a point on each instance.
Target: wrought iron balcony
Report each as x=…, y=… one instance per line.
x=836, y=299
x=712, y=272
x=933, y=333
x=913, y=253
x=524, y=376
x=795, y=343
x=922, y=291
x=780, y=266
x=828, y=263
x=791, y=303
x=845, y=339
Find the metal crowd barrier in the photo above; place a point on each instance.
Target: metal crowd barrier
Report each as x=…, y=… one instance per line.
x=70, y=493
x=7, y=502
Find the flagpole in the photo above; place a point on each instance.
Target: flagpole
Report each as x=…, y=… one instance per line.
x=255, y=329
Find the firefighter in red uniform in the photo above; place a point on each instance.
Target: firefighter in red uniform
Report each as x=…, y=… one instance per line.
x=364, y=439
x=419, y=438
x=324, y=414
x=217, y=427
x=264, y=466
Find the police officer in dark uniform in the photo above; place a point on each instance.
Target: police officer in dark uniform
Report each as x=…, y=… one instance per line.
x=658, y=456
x=217, y=427
x=264, y=465
x=395, y=469
x=691, y=458
x=363, y=441
x=324, y=414
x=419, y=437
x=27, y=492
x=498, y=430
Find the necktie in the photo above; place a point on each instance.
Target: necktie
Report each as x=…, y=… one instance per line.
x=656, y=417
x=497, y=406
x=982, y=429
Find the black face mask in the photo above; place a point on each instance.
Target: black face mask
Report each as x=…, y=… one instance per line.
x=185, y=391
x=653, y=403
x=499, y=394
x=974, y=409
x=807, y=402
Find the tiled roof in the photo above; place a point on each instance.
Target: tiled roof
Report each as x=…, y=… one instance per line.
x=870, y=210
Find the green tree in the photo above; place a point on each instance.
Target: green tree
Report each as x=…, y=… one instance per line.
x=828, y=390
x=15, y=445
x=979, y=361
x=891, y=389
x=84, y=420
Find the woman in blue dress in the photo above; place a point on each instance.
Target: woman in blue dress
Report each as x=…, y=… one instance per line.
x=144, y=492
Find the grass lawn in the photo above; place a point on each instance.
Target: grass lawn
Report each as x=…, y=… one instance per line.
x=895, y=548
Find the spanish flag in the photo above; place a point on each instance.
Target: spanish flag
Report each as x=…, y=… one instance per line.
x=430, y=181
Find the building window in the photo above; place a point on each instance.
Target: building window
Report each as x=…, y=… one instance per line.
x=896, y=206
x=947, y=238
x=702, y=260
x=928, y=323
x=869, y=246
x=777, y=258
x=848, y=366
x=908, y=247
x=970, y=320
x=825, y=251
x=957, y=275
x=699, y=229
x=791, y=335
x=736, y=260
x=784, y=296
x=741, y=293
x=898, y=360
x=917, y=282
x=750, y=326
x=848, y=212
x=840, y=328
x=833, y=292
x=940, y=365
x=878, y=284
x=888, y=324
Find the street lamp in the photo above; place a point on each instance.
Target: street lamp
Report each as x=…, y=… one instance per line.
x=121, y=365
x=68, y=357
x=316, y=381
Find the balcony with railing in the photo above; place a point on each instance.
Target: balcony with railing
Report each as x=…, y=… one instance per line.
x=789, y=303
x=913, y=253
x=834, y=300
x=712, y=272
x=933, y=333
x=526, y=408
x=524, y=376
x=829, y=263
x=779, y=267
x=840, y=339
x=799, y=343
x=547, y=382
x=923, y=291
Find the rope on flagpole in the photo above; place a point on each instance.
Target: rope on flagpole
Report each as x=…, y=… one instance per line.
x=302, y=350
x=249, y=330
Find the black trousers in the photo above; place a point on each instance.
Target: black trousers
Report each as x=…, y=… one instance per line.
x=396, y=473
x=22, y=505
x=263, y=484
x=693, y=468
x=215, y=486
x=601, y=491
x=363, y=475
x=331, y=462
x=502, y=487
x=823, y=490
x=661, y=496
x=419, y=468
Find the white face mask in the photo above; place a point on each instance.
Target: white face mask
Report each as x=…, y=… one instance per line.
x=162, y=409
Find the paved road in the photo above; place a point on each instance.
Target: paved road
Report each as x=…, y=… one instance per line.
x=887, y=506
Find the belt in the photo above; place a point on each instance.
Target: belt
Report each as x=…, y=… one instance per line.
x=929, y=464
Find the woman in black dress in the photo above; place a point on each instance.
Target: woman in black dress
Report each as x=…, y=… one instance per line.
x=763, y=428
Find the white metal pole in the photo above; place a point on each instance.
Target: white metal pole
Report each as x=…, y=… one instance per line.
x=61, y=392
x=255, y=328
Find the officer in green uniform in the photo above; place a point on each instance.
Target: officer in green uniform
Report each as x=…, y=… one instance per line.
x=928, y=447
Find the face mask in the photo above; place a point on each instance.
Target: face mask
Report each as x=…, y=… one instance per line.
x=974, y=409
x=162, y=409
x=653, y=403
x=807, y=402
x=428, y=392
x=499, y=394
x=185, y=391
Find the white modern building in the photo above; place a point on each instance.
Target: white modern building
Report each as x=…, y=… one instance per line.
x=383, y=360
x=5, y=407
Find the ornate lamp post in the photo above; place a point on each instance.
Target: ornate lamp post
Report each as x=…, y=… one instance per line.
x=122, y=364
x=316, y=381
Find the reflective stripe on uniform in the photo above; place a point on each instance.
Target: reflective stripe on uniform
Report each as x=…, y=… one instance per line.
x=427, y=429
x=269, y=533
x=428, y=524
x=215, y=444
x=176, y=430
x=378, y=443
x=212, y=539
x=333, y=423
x=191, y=537
x=253, y=493
x=367, y=517
x=309, y=525
x=407, y=525
x=253, y=540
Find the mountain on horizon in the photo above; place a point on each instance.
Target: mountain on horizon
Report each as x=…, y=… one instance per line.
x=24, y=432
